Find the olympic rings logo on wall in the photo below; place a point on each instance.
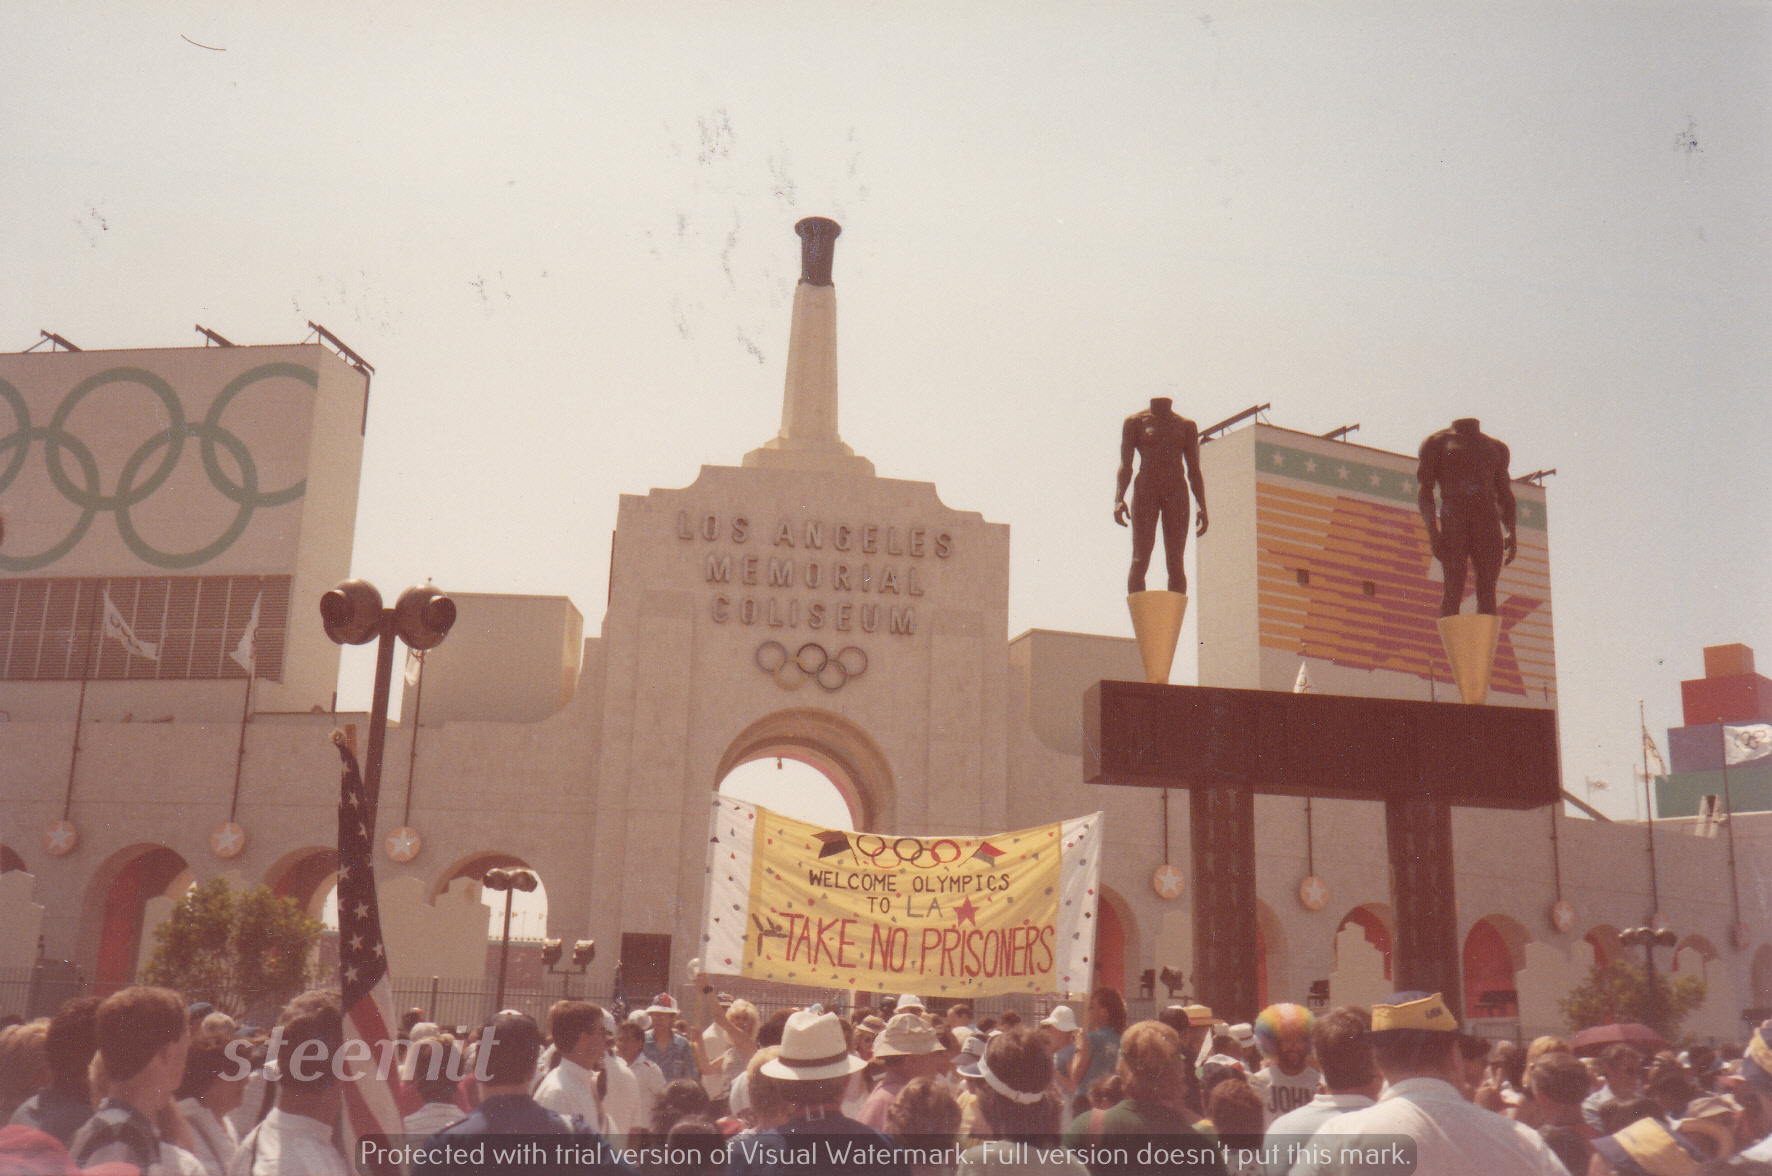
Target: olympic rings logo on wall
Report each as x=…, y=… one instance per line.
x=905, y=851
x=132, y=487
x=791, y=671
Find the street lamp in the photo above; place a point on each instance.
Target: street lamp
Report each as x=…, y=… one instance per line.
x=1650, y=938
x=583, y=952
x=353, y=615
x=509, y=881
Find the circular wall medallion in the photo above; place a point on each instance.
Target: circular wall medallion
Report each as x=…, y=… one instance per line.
x=1167, y=881
x=1562, y=916
x=60, y=837
x=228, y=840
x=1313, y=892
x=403, y=844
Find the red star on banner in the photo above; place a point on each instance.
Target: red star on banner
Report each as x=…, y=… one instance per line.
x=966, y=912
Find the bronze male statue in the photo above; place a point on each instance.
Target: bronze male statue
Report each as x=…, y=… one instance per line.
x=1163, y=441
x=1476, y=509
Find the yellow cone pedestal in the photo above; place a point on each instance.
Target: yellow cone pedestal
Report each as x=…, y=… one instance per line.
x=1156, y=619
x=1470, y=640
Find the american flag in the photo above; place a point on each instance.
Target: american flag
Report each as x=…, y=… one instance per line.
x=370, y=1108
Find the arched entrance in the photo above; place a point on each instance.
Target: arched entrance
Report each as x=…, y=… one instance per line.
x=1373, y=919
x=529, y=909
x=1761, y=977
x=789, y=785
x=1114, y=921
x=841, y=751
x=1494, y=951
x=1271, y=958
x=116, y=900
x=1604, y=939
x=308, y=876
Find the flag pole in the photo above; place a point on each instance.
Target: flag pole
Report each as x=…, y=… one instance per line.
x=1729, y=820
x=92, y=640
x=1649, y=814
x=240, y=752
x=418, y=701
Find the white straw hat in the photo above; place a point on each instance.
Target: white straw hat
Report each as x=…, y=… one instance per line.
x=812, y=1048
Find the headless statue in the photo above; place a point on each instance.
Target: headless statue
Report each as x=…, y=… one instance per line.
x=1476, y=510
x=1164, y=442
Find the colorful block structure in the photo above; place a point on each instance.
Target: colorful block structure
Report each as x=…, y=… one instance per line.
x=1729, y=695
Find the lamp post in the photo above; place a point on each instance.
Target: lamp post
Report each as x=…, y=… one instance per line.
x=509, y=881
x=353, y=615
x=1650, y=938
x=583, y=952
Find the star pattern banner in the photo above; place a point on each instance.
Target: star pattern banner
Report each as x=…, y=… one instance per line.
x=937, y=915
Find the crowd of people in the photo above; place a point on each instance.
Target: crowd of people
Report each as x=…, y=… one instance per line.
x=138, y=1082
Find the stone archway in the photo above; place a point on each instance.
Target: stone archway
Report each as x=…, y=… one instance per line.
x=1760, y=977
x=305, y=876
x=116, y=901
x=1494, y=953
x=475, y=865
x=1272, y=961
x=1604, y=938
x=1115, y=928
x=845, y=753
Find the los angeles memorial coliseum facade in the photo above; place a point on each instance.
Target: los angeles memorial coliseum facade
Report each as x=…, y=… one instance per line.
x=161, y=506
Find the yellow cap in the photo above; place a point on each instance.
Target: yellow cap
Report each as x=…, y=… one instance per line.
x=1418, y=1011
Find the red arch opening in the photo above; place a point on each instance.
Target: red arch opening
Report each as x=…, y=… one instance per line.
x=1488, y=974
x=144, y=876
x=1110, y=949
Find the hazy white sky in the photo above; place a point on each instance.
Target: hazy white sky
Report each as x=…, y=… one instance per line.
x=563, y=234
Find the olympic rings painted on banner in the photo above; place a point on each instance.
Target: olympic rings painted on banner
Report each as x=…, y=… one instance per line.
x=928, y=855
x=87, y=494
x=790, y=672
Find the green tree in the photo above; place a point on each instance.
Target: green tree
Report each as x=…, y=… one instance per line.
x=1618, y=992
x=245, y=953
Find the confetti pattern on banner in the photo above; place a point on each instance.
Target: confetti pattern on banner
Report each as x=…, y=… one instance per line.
x=942, y=916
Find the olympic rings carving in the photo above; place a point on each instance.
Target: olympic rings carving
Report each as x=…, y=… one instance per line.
x=811, y=661
x=87, y=494
x=926, y=855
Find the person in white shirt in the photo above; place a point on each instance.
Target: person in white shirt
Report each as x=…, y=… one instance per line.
x=1341, y=1043
x=572, y=1087
x=295, y=1138
x=630, y=1046
x=213, y=1086
x=623, y=1106
x=1415, y=1040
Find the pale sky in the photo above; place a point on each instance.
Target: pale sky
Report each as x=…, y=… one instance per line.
x=562, y=232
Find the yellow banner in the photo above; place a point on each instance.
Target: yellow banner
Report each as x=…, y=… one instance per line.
x=941, y=916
